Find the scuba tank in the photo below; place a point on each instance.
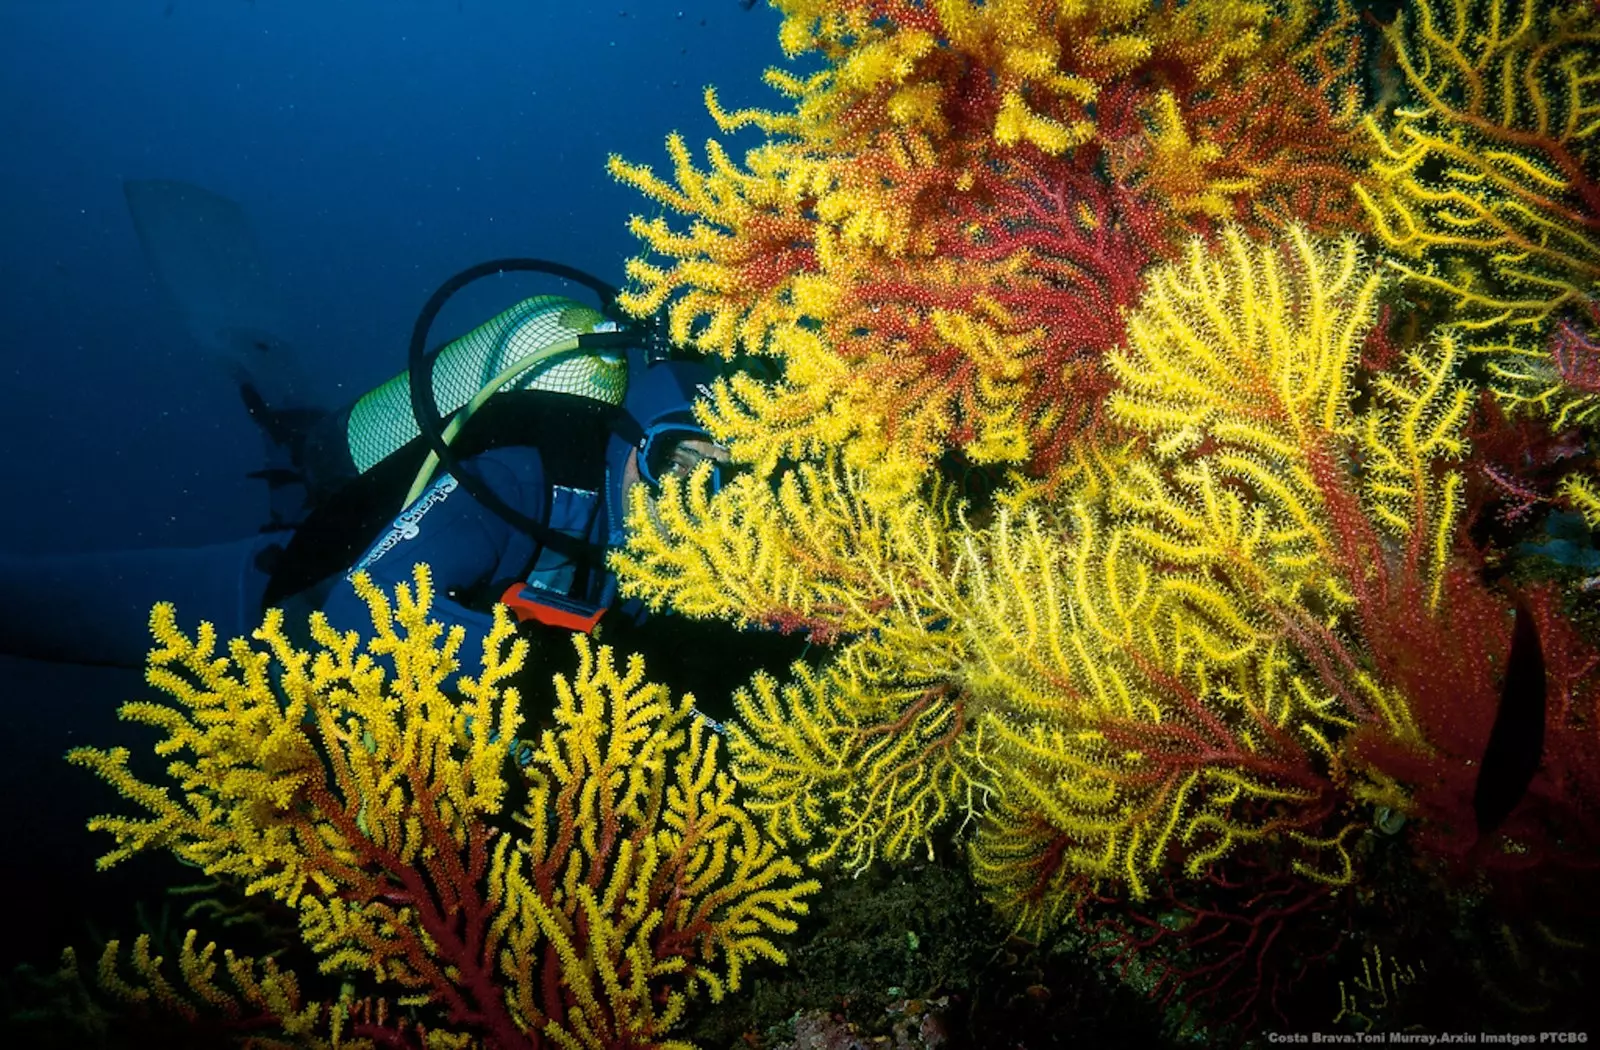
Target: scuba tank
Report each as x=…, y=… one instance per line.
x=535, y=339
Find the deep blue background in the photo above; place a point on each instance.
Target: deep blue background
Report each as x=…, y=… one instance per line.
x=378, y=146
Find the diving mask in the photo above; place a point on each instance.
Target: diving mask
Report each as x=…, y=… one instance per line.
x=665, y=449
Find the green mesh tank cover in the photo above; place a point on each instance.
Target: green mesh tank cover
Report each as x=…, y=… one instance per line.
x=381, y=421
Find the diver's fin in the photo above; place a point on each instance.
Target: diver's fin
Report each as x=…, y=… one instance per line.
x=202, y=249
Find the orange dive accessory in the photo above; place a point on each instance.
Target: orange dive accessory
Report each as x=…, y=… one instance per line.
x=551, y=609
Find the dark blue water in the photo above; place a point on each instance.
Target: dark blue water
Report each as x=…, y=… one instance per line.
x=378, y=146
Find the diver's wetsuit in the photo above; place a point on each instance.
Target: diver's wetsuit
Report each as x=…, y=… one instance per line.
x=94, y=608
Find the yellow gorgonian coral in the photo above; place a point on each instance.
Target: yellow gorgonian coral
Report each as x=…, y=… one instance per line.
x=927, y=237
x=1583, y=494
x=245, y=987
x=1251, y=357
x=812, y=549
x=1488, y=185
x=1132, y=673
x=366, y=785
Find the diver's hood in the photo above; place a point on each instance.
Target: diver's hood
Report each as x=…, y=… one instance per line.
x=660, y=392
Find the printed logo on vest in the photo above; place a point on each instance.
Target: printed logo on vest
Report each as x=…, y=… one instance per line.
x=407, y=525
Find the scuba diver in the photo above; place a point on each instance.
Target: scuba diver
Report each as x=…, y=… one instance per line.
x=515, y=474
x=554, y=574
